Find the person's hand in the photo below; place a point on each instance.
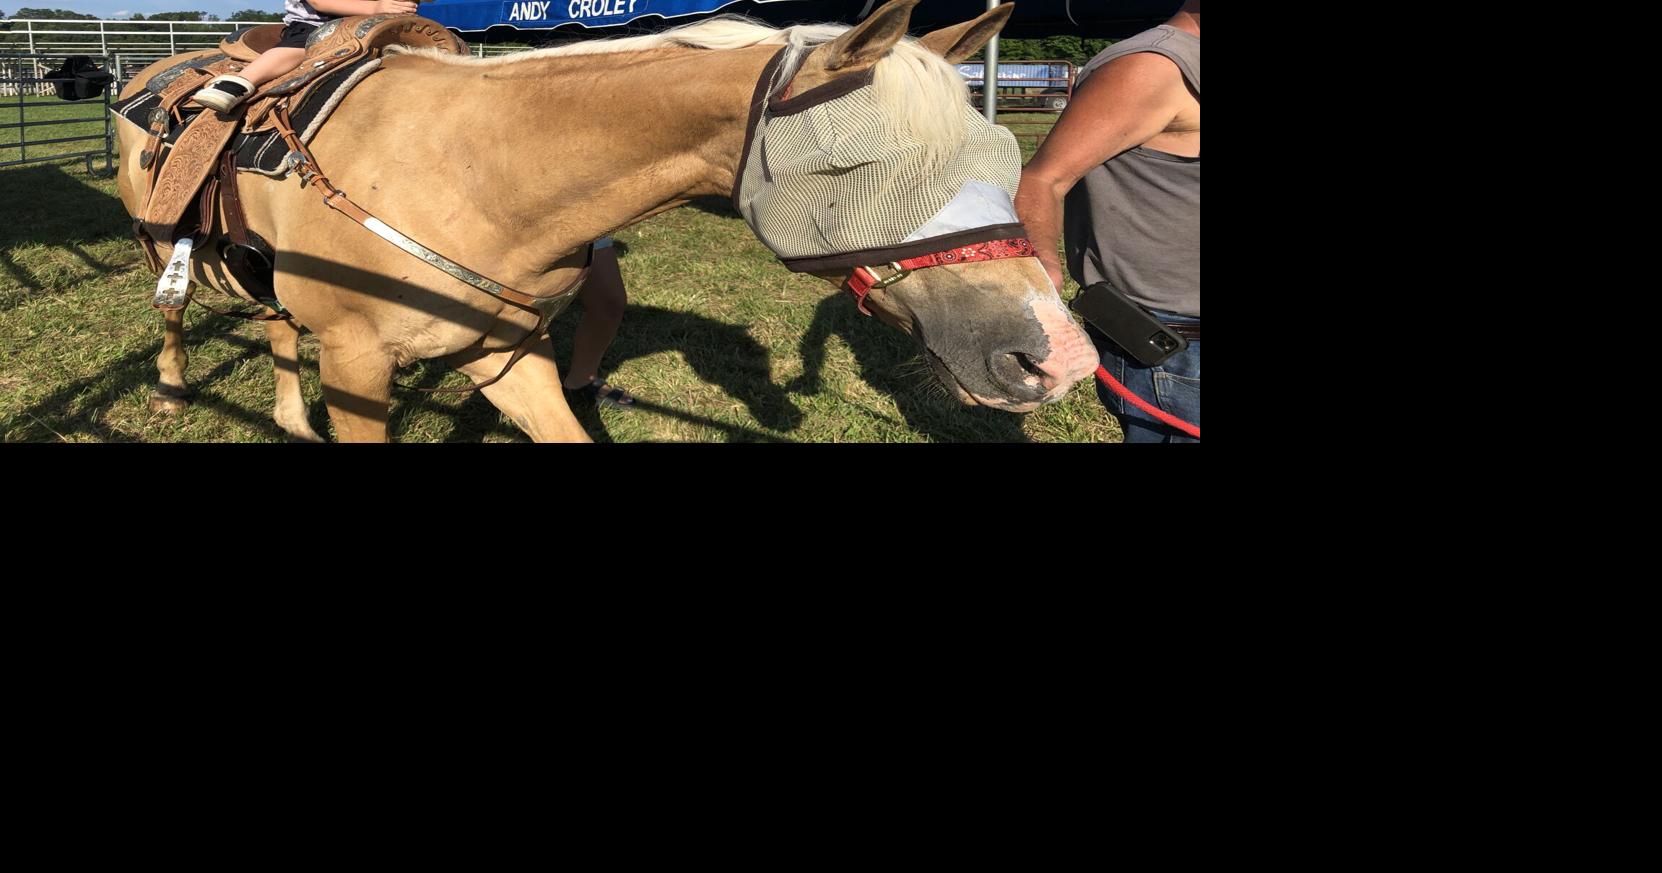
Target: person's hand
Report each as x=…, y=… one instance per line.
x=395, y=7
x=1053, y=269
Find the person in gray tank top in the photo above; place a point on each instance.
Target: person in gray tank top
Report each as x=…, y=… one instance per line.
x=1126, y=156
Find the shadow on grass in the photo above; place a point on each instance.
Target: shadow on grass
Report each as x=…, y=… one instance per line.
x=722, y=206
x=721, y=354
x=51, y=205
x=889, y=362
x=472, y=421
x=90, y=397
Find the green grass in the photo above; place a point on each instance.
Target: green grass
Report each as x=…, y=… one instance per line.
x=728, y=348
x=1030, y=129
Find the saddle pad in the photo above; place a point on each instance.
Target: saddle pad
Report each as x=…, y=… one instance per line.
x=261, y=152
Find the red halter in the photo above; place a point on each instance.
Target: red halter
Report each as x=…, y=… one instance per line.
x=864, y=279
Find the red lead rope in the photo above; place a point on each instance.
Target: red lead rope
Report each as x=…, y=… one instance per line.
x=1124, y=392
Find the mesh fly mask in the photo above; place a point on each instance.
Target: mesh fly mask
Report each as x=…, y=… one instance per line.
x=831, y=180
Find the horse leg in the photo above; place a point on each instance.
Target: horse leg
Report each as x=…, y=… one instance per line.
x=530, y=394
x=171, y=395
x=290, y=409
x=357, y=386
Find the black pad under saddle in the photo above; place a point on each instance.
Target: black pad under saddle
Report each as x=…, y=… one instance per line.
x=261, y=152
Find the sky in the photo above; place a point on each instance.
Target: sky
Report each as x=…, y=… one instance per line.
x=125, y=8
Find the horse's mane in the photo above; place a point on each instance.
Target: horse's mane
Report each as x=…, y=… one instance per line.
x=911, y=82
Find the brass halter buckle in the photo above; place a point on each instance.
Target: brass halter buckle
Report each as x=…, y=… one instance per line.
x=899, y=273
x=864, y=280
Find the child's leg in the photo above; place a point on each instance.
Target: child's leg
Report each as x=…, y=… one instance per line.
x=273, y=63
x=225, y=92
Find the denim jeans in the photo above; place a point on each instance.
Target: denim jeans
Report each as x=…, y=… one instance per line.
x=1173, y=386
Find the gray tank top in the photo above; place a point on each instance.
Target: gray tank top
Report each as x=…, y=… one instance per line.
x=1134, y=221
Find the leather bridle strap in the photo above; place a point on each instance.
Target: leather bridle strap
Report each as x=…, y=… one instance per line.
x=222, y=188
x=300, y=160
x=246, y=316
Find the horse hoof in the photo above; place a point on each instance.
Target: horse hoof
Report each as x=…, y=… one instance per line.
x=168, y=404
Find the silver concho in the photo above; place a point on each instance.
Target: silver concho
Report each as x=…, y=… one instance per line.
x=322, y=33
x=165, y=78
x=369, y=23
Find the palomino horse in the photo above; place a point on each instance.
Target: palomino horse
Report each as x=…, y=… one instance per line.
x=510, y=166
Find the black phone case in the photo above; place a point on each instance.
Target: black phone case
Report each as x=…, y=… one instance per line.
x=1141, y=335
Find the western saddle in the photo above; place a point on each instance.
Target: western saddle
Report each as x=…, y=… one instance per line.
x=199, y=171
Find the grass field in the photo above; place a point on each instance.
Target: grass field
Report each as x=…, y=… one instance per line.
x=728, y=349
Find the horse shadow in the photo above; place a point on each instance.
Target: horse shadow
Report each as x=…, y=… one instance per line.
x=890, y=363
x=721, y=354
x=78, y=407
x=47, y=205
x=715, y=205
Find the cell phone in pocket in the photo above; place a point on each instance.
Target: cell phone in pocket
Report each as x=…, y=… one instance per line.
x=1130, y=326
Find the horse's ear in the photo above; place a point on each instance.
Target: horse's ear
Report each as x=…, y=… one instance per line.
x=867, y=42
x=959, y=41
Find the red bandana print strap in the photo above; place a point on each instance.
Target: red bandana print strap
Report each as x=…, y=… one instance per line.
x=991, y=250
x=862, y=280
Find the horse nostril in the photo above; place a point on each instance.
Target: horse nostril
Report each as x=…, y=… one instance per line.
x=1020, y=371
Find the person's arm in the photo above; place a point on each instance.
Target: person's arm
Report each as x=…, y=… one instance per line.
x=1126, y=103
x=362, y=7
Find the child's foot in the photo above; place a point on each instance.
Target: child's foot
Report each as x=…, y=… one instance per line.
x=224, y=93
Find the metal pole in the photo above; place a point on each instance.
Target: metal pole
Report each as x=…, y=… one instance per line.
x=989, y=75
x=109, y=131
x=171, y=48
x=22, y=132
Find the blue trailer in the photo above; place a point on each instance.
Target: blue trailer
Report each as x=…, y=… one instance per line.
x=1024, y=84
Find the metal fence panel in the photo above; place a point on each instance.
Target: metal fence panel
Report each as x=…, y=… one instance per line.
x=23, y=80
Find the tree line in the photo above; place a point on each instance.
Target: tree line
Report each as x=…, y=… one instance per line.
x=62, y=14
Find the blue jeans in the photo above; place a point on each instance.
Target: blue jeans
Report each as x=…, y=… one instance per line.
x=1173, y=386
